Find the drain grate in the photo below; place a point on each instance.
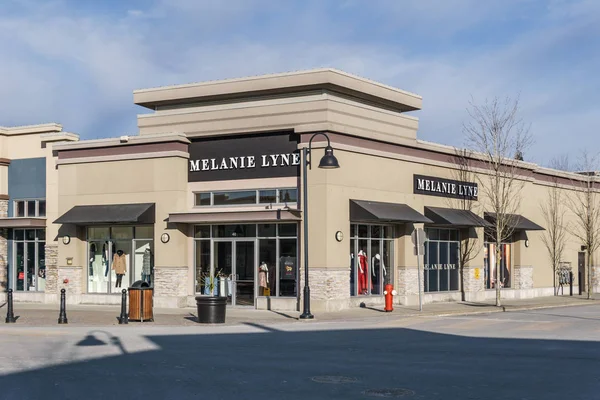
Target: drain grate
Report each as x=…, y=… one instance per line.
x=334, y=379
x=396, y=392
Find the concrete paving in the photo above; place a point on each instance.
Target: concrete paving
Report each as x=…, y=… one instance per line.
x=32, y=314
x=550, y=353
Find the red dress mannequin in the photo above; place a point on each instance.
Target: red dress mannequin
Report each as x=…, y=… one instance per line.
x=362, y=273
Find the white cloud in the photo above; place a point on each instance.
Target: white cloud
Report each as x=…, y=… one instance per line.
x=80, y=70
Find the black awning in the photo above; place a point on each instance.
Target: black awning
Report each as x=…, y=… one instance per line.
x=109, y=214
x=375, y=211
x=517, y=222
x=454, y=217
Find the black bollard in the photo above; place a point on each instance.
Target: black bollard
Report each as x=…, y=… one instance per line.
x=570, y=283
x=10, y=316
x=62, y=316
x=123, y=317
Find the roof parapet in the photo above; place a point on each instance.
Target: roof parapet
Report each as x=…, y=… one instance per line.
x=280, y=84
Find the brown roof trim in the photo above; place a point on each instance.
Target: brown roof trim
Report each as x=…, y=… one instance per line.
x=441, y=157
x=4, y=197
x=121, y=150
x=22, y=222
x=5, y=161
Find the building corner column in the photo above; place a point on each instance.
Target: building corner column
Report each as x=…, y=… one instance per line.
x=473, y=272
x=407, y=272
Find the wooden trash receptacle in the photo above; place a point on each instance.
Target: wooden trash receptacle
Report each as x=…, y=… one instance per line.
x=141, y=302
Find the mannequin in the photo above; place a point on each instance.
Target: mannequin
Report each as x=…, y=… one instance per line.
x=378, y=258
x=362, y=272
x=92, y=253
x=105, y=248
x=147, y=266
x=263, y=278
x=376, y=263
x=119, y=265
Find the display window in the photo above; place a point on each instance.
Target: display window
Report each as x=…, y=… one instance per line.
x=441, y=260
x=118, y=257
x=247, y=261
x=489, y=262
x=371, y=255
x=29, y=266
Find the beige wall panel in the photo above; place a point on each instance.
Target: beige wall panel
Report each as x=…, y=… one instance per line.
x=51, y=195
x=381, y=179
x=349, y=116
x=253, y=123
x=161, y=181
x=23, y=146
x=382, y=126
x=3, y=179
x=128, y=176
x=223, y=119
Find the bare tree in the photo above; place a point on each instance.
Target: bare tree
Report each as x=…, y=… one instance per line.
x=585, y=204
x=561, y=163
x=554, y=211
x=470, y=245
x=500, y=136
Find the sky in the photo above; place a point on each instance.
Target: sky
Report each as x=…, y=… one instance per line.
x=77, y=62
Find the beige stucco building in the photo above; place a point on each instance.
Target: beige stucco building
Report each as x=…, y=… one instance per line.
x=213, y=183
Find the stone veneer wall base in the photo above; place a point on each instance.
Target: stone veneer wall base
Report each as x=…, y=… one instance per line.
x=522, y=277
x=51, y=254
x=171, y=282
x=171, y=302
x=595, y=279
x=329, y=288
x=73, y=274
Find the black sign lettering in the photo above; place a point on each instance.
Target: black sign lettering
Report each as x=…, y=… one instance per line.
x=432, y=186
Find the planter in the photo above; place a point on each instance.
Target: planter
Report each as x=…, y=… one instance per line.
x=211, y=309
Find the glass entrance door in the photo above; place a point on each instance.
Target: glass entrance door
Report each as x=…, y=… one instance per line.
x=233, y=263
x=244, y=273
x=222, y=270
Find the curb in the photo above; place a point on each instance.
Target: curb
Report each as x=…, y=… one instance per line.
x=516, y=308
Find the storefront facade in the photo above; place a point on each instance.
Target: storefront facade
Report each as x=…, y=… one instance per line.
x=211, y=187
x=28, y=179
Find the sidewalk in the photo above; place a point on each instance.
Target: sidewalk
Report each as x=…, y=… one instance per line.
x=30, y=314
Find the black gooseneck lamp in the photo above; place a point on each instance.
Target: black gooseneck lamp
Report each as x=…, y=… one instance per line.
x=328, y=161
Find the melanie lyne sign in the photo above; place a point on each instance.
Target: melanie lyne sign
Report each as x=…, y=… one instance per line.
x=244, y=157
x=432, y=186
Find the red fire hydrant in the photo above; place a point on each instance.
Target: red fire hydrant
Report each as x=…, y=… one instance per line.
x=389, y=293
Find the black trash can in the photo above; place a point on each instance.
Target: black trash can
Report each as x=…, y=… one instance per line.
x=211, y=309
x=141, y=302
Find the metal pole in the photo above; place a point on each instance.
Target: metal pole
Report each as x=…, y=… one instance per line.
x=419, y=272
x=123, y=317
x=62, y=316
x=570, y=283
x=10, y=316
x=306, y=312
